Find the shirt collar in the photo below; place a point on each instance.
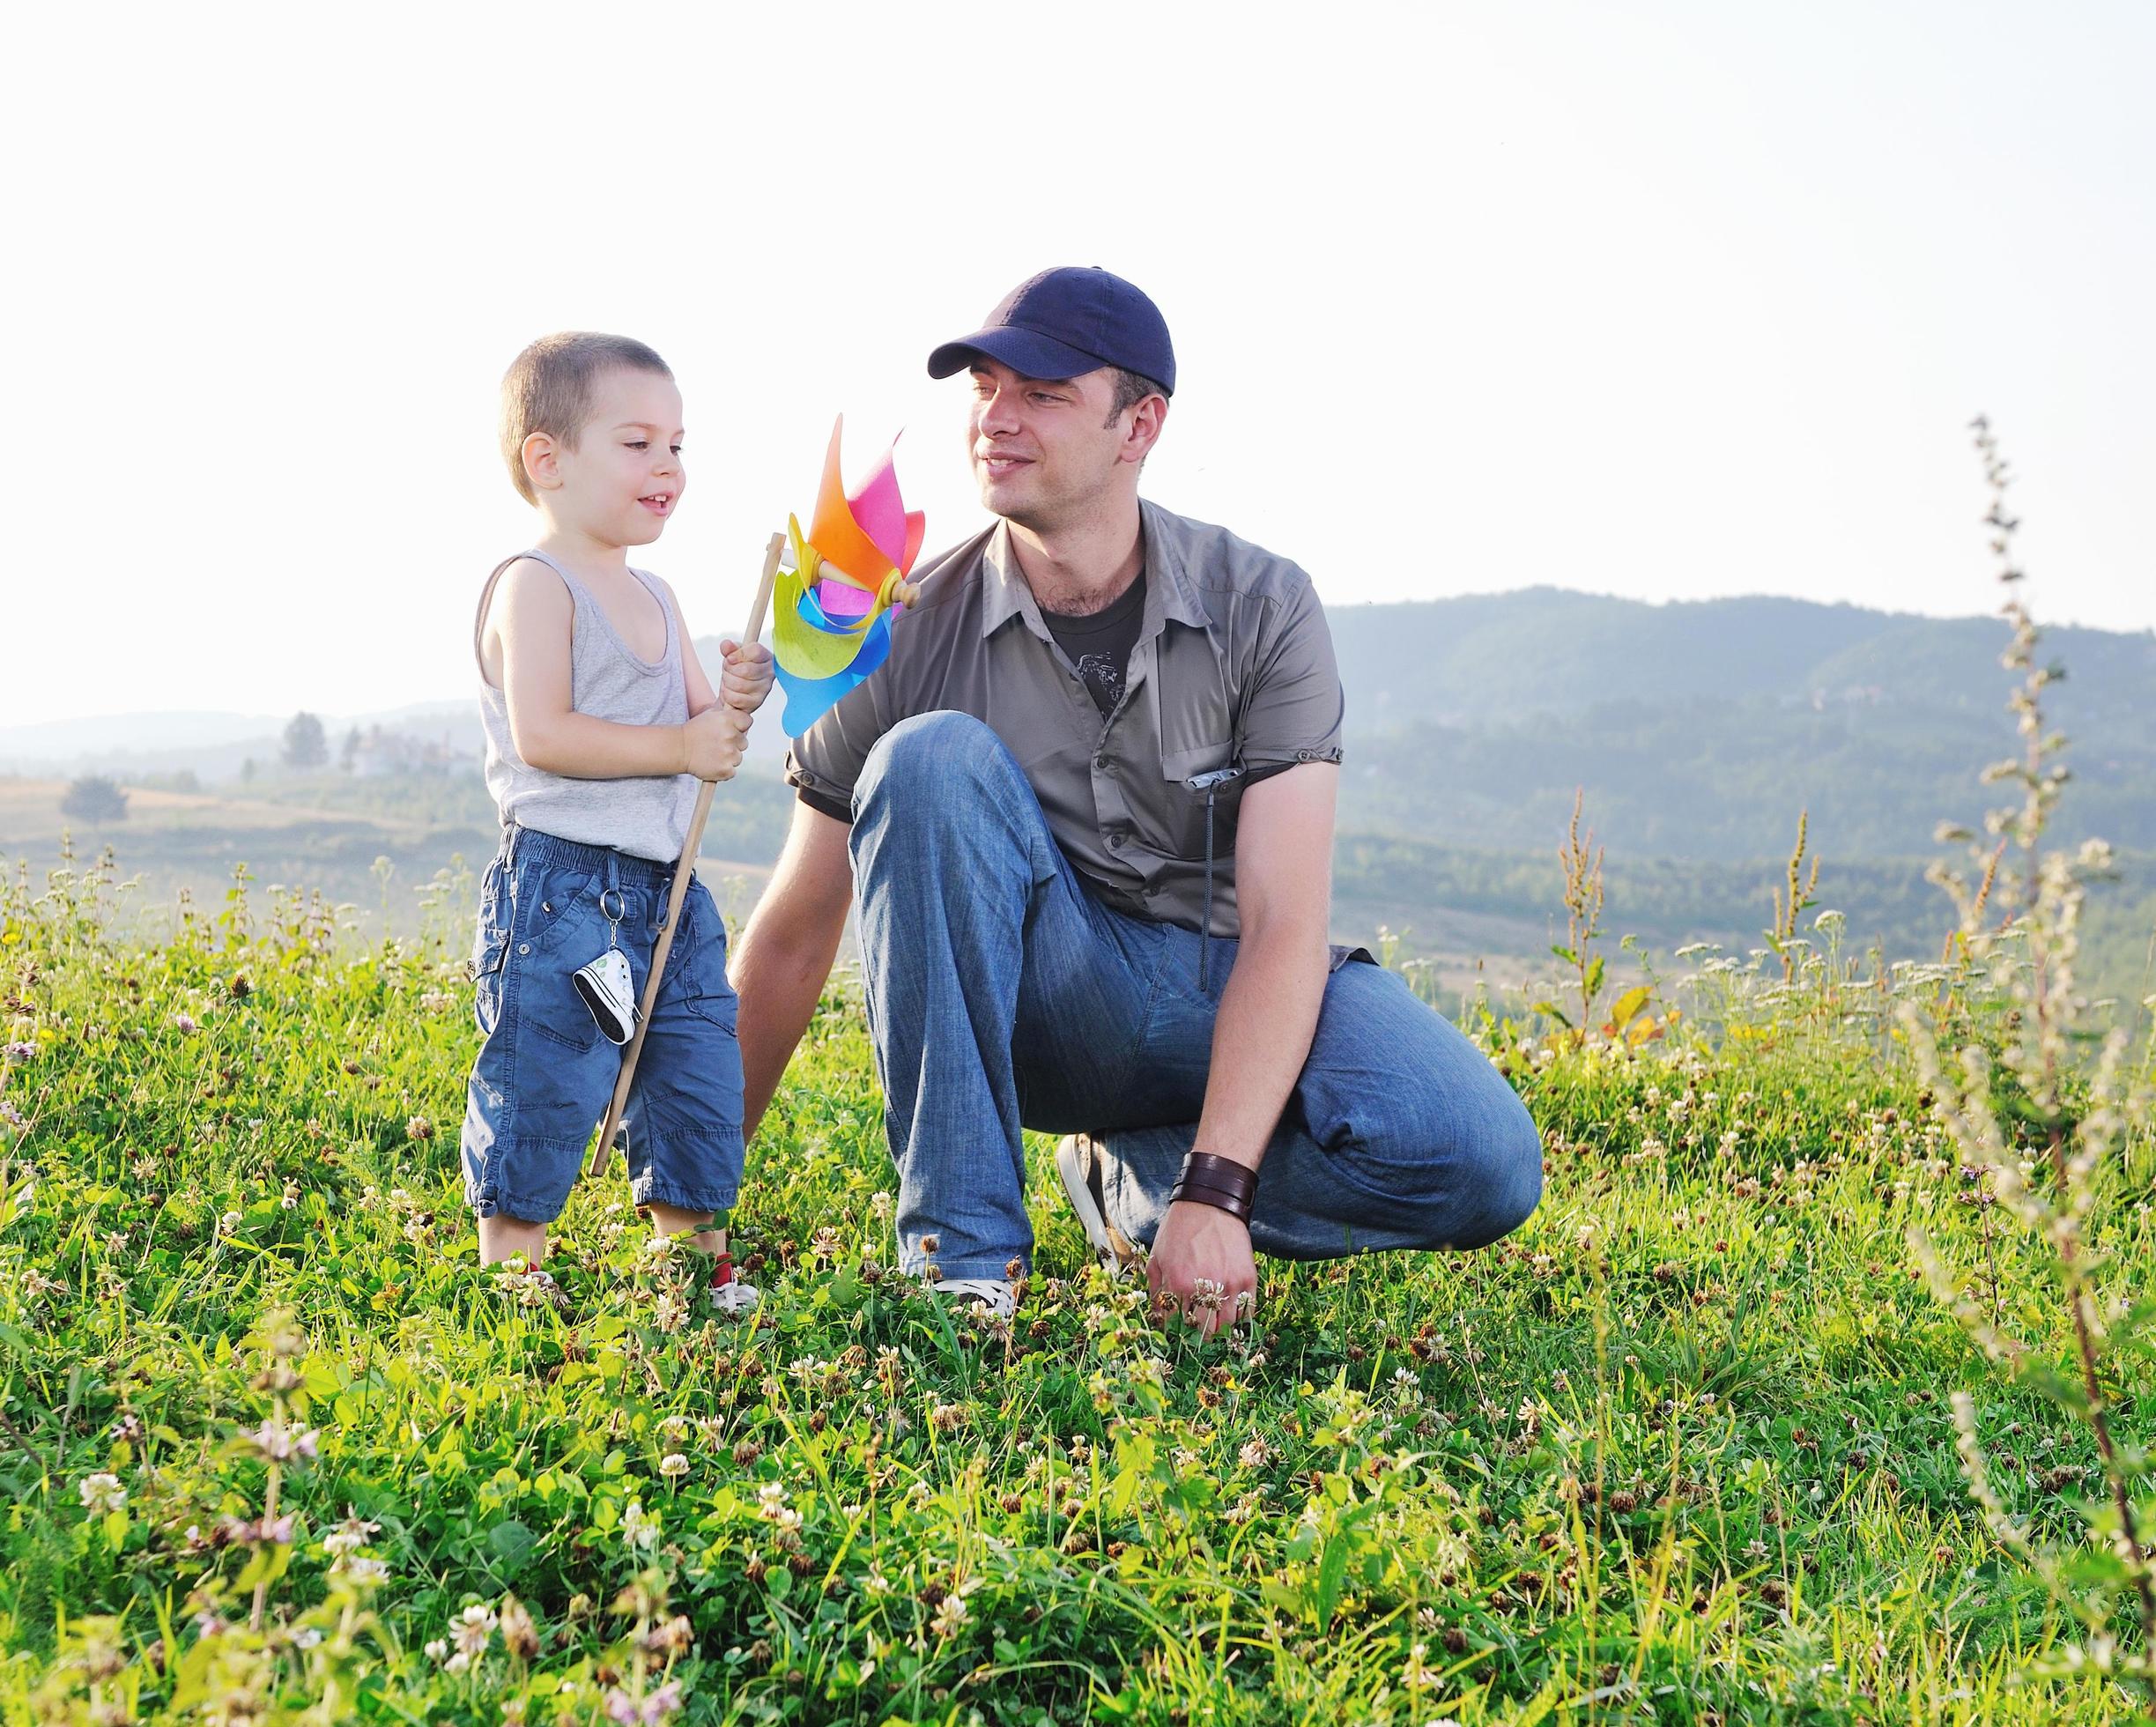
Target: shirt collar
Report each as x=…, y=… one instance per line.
x=1168, y=595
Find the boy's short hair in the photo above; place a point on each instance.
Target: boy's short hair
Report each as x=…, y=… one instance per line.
x=548, y=389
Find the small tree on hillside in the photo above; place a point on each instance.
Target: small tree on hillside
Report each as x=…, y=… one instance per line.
x=305, y=745
x=350, y=756
x=95, y=799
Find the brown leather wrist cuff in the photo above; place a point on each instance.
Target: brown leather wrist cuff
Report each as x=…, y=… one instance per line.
x=1219, y=1182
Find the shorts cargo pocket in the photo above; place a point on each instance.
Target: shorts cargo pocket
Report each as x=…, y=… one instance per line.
x=1184, y=831
x=705, y=991
x=490, y=948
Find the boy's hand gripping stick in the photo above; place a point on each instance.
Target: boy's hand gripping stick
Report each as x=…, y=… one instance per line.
x=679, y=892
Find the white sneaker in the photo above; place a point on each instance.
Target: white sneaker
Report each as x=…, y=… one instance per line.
x=733, y=1296
x=736, y=1297
x=1079, y=1161
x=994, y=1296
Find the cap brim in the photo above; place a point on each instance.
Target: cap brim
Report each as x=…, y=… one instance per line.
x=1027, y=351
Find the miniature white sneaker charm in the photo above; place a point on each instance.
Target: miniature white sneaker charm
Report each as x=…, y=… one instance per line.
x=609, y=992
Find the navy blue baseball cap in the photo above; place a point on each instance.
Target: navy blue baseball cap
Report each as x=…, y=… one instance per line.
x=1066, y=322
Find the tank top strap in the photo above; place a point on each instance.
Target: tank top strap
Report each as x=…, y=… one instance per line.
x=579, y=596
x=656, y=588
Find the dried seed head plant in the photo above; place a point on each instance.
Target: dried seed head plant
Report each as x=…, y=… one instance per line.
x=2055, y=1136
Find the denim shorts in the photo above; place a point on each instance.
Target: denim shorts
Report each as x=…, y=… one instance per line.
x=545, y=1074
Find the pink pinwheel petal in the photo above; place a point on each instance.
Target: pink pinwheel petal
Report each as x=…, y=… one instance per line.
x=880, y=512
x=842, y=599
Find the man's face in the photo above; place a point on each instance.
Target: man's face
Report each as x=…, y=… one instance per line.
x=1045, y=449
x=625, y=477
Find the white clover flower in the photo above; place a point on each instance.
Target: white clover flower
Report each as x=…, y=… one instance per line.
x=365, y=1571
x=436, y=1648
x=639, y=1531
x=950, y=1613
x=348, y=1537
x=474, y=1630
x=673, y=1465
x=102, y=1492
x=459, y=1663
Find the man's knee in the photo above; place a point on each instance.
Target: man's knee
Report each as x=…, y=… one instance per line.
x=1478, y=1160
x=1500, y=1174
x=932, y=758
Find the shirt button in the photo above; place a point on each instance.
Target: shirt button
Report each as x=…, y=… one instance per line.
x=1115, y=842
x=523, y=948
x=1099, y=761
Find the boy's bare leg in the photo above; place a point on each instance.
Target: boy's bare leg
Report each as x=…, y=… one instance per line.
x=504, y=1238
x=694, y=1228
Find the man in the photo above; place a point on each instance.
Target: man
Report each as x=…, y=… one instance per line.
x=1086, y=810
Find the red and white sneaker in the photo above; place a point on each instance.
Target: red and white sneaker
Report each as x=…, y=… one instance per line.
x=728, y=1293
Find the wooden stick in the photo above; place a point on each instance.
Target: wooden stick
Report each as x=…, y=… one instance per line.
x=606, y=1147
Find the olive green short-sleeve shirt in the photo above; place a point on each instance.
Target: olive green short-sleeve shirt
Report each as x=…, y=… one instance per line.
x=1233, y=668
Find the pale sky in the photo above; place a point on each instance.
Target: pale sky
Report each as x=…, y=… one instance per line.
x=1663, y=300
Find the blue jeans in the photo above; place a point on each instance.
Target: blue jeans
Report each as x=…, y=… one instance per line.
x=1002, y=993
x=544, y=1075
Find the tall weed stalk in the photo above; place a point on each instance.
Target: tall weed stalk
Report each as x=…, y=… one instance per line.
x=2052, y=1137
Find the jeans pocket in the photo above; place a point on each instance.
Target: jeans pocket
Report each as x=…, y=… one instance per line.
x=552, y=902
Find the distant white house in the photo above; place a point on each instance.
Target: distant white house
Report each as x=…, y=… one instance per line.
x=381, y=752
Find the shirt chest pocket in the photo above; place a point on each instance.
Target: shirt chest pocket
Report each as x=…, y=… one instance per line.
x=1189, y=778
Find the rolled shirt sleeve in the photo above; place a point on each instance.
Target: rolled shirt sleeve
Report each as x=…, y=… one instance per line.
x=1295, y=705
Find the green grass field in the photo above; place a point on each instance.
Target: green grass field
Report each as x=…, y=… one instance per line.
x=1680, y=1451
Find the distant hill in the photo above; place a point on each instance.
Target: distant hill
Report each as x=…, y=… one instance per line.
x=1498, y=658
x=1699, y=730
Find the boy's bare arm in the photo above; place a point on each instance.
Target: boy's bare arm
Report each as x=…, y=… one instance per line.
x=535, y=619
x=785, y=955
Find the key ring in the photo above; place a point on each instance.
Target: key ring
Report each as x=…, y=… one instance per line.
x=613, y=913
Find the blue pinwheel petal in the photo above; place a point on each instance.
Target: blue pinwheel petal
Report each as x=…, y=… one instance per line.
x=809, y=699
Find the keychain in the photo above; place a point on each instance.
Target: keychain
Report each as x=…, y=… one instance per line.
x=604, y=983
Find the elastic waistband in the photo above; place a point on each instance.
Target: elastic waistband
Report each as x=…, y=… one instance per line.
x=532, y=846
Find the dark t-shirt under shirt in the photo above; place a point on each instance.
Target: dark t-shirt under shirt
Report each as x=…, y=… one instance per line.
x=1098, y=646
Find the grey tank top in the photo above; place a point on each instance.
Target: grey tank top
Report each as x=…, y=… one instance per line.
x=644, y=818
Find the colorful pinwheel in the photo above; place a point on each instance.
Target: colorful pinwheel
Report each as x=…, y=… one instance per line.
x=835, y=607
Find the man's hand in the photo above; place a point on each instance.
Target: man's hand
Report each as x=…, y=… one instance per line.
x=746, y=680
x=1202, y=1268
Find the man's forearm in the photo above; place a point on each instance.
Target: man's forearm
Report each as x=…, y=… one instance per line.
x=1260, y=1038
x=778, y=975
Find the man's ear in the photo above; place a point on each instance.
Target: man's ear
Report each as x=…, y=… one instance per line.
x=542, y=461
x=1146, y=418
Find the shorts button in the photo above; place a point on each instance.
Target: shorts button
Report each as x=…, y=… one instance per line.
x=523, y=948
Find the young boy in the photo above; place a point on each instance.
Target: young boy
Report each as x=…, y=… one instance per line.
x=600, y=722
